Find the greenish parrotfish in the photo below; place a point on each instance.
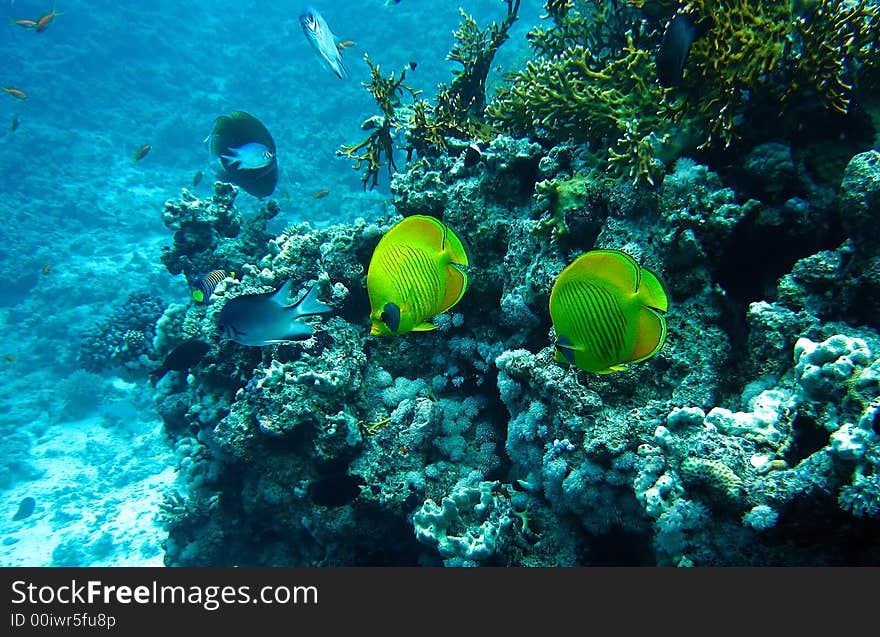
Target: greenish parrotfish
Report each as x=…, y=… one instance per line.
x=322, y=40
x=608, y=312
x=266, y=319
x=246, y=151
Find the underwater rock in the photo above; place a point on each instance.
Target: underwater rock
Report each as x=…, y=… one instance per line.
x=468, y=525
x=665, y=453
x=860, y=197
x=124, y=340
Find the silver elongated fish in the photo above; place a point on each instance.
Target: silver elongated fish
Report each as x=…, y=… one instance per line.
x=265, y=319
x=323, y=42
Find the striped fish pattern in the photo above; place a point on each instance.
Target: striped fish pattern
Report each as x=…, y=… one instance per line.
x=414, y=277
x=601, y=325
x=607, y=312
x=416, y=272
x=203, y=286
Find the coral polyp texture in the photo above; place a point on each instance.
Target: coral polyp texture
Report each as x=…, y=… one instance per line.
x=470, y=445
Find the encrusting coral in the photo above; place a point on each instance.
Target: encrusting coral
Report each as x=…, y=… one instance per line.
x=468, y=444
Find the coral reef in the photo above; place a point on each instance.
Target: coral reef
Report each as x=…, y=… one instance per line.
x=379, y=144
x=750, y=438
x=124, y=340
x=593, y=79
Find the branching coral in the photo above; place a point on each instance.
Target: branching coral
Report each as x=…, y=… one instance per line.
x=837, y=38
x=745, y=42
x=576, y=90
x=458, y=109
x=369, y=153
x=594, y=77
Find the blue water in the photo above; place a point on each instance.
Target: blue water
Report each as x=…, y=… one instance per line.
x=82, y=223
x=82, y=231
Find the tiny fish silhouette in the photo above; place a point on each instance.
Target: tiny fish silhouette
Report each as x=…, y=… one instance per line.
x=25, y=509
x=45, y=20
x=141, y=152
x=17, y=93
x=321, y=194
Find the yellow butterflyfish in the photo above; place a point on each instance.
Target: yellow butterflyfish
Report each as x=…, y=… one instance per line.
x=608, y=312
x=416, y=272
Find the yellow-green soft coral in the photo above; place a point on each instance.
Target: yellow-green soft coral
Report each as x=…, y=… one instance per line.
x=839, y=42
x=594, y=78
x=576, y=90
x=563, y=196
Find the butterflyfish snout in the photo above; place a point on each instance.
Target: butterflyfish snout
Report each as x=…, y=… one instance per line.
x=416, y=272
x=608, y=312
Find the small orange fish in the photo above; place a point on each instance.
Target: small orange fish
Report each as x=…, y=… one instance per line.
x=27, y=24
x=17, y=93
x=45, y=20
x=46, y=269
x=345, y=45
x=141, y=152
x=321, y=194
x=403, y=449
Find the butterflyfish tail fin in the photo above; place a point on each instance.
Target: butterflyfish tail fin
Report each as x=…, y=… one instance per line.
x=650, y=335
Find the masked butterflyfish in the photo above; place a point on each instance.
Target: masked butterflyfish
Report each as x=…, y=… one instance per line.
x=266, y=319
x=416, y=272
x=246, y=151
x=608, y=312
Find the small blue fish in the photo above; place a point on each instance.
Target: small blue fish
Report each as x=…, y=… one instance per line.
x=323, y=42
x=252, y=156
x=265, y=319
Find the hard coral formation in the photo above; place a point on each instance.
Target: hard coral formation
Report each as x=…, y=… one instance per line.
x=124, y=340
x=593, y=78
x=470, y=445
x=575, y=89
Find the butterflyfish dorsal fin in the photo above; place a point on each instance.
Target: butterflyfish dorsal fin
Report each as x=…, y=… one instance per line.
x=611, y=268
x=418, y=231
